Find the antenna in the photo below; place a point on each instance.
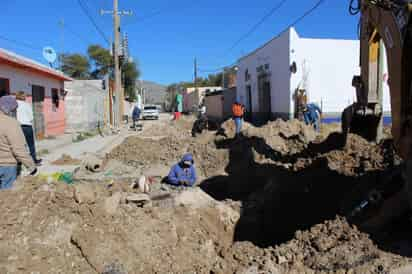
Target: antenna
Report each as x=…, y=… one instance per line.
x=50, y=55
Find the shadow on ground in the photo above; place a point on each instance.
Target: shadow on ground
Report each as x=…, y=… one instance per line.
x=276, y=202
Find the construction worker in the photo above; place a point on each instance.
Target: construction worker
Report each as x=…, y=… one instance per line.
x=312, y=115
x=201, y=122
x=238, y=111
x=12, y=144
x=25, y=118
x=183, y=173
x=301, y=101
x=136, y=115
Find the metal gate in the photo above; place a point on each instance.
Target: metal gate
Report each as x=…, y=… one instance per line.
x=38, y=113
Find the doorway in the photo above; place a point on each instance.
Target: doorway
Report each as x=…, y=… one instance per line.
x=248, y=102
x=38, y=93
x=4, y=87
x=265, y=108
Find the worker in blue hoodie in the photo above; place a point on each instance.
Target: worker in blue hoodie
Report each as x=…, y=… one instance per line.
x=312, y=115
x=183, y=173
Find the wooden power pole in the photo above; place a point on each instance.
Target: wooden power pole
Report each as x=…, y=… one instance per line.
x=116, y=49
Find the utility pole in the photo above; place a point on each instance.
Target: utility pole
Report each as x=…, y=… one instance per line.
x=117, y=72
x=117, y=69
x=223, y=78
x=195, y=71
x=61, y=24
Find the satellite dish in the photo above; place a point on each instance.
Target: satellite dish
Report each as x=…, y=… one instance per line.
x=50, y=55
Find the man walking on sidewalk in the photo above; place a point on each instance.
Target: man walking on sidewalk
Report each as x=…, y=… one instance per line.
x=12, y=144
x=25, y=117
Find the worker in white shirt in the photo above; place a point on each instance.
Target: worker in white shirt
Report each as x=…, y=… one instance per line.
x=25, y=117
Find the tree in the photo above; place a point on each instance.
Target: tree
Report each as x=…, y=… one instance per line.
x=101, y=59
x=130, y=73
x=75, y=65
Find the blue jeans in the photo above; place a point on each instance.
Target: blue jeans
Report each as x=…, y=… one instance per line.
x=238, y=123
x=29, y=135
x=8, y=174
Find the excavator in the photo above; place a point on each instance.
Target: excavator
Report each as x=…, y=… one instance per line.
x=385, y=31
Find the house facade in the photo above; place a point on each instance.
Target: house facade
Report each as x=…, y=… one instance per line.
x=192, y=97
x=268, y=78
x=43, y=86
x=87, y=105
x=219, y=104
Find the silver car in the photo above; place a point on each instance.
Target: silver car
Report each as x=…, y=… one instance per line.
x=150, y=112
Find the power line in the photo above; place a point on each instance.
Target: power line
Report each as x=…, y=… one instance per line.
x=303, y=16
x=23, y=44
x=78, y=36
x=156, y=13
x=87, y=13
x=257, y=25
x=295, y=22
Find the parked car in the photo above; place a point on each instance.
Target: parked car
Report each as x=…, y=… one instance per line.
x=150, y=112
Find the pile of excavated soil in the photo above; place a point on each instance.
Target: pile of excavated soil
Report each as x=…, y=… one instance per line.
x=356, y=158
x=143, y=153
x=284, y=137
x=90, y=228
x=176, y=129
x=270, y=192
x=331, y=247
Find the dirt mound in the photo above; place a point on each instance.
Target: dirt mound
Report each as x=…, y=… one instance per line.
x=331, y=247
x=284, y=137
x=88, y=228
x=355, y=159
x=143, y=153
x=228, y=128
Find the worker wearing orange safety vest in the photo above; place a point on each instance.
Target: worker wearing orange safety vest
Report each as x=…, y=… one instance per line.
x=238, y=111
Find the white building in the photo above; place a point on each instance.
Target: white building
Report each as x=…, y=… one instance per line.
x=267, y=81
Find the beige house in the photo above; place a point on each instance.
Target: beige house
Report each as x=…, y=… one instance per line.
x=219, y=104
x=192, y=97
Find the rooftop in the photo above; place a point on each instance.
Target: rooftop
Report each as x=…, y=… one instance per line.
x=13, y=59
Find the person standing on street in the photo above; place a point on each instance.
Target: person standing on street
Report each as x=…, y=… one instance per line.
x=12, y=144
x=238, y=111
x=136, y=115
x=25, y=117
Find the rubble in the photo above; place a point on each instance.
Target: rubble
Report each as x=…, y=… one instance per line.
x=266, y=203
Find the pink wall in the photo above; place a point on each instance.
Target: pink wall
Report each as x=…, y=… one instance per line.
x=55, y=120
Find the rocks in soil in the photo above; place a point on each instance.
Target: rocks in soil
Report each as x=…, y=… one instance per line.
x=84, y=194
x=194, y=198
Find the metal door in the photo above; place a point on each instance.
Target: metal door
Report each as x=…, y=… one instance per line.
x=38, y=113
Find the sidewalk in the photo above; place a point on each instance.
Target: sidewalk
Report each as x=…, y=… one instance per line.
x=64, y=145
x=96, y=145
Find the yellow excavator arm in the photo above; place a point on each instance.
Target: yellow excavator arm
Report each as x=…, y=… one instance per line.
x=384, y=25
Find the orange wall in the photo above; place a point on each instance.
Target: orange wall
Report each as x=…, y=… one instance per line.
x=55, y=120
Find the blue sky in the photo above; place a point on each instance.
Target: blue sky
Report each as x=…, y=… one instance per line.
x=165, y=36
